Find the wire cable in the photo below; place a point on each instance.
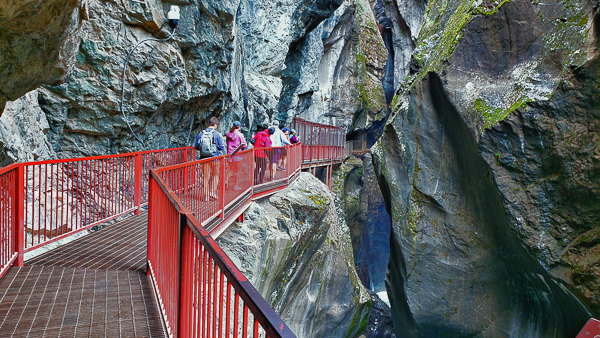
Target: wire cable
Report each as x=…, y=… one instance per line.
x=123, y=83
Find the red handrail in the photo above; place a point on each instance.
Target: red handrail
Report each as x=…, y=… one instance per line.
x=62, y=197
x=321, y=142
x=9, y=250
x=41, y=202
x=188, y=268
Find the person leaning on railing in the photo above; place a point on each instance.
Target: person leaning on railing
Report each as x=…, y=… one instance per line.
x=278, y=139
x=234, y=139
x=210, y=144
x=282, y=165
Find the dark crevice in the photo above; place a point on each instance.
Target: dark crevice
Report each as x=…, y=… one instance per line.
x=529, y=288
x=388, y=78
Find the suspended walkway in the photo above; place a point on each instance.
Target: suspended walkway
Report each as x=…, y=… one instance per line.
x=152, y=273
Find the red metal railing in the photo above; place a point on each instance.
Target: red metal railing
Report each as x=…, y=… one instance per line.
x=41, y=202
x=8, y=218
x=200, y=291
x=58, y=198
x=321, y=143
x=214, y=188
x=153, y=159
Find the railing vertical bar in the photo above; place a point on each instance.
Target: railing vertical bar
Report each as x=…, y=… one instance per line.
x=85, y=192
x=61, y=190
x=245, y=323
x=95, y=201
x=214, y=309
x=4, y=226
x=221, y=304
x=203, y=291
x=236, y=308
x=255, y=327
x=19, y=226
x=228, y=309
x=208, y=299
x=26, y=195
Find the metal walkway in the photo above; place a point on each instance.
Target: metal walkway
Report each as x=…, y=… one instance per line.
x=95, y=286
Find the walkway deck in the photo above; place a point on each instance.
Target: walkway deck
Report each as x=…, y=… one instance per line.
x=95, y=286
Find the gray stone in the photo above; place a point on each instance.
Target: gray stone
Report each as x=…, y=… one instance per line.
x=23, y=128
x=298, y=255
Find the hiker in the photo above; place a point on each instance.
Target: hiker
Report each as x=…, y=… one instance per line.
x=261, y=140
x=210, y=144
x=294, y=138
x=282, y=165
x=278, y=139
x=235, y=138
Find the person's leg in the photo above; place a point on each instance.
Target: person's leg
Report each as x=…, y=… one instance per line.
x=256, y=169
x=263, y=169
x=206, y=170
x=216, y=178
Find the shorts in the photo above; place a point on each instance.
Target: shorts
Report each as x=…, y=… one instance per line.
x=275, y=155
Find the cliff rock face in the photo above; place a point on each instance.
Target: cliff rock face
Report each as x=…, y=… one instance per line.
x=247, y=60
x=38, y=44
x=334, y=75
x=488, y=165
x=546, y=161
x=23, y=128
x=298, y=255
x=361, y=203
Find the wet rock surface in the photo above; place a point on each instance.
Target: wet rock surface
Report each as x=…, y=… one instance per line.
x=298, y=255
x=545, y=161
x=361, y=202
x=457, y=269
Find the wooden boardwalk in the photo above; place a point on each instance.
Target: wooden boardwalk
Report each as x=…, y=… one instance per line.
x=93, y=287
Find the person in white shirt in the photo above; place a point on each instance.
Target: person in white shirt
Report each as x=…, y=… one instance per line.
x=278, y=139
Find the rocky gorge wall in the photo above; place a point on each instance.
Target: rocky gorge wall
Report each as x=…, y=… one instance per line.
x=298, y=255
x=488, y=168
x=485, y=113
x=247, y=60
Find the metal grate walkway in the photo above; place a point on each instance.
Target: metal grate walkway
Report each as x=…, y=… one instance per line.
x=95, y=286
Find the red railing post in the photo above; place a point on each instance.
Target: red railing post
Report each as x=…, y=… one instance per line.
x=185, y=173
x=222, y=188
x=19, y=229
x=252, y=169
x=137, y=185
x=180, y=324
x=151, y=220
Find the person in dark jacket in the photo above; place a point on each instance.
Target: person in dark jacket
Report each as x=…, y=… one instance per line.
x=211, y=169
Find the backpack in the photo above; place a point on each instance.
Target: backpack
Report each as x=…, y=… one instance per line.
x=206, y=144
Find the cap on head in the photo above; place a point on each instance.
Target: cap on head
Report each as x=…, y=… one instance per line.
x=276, y=123
x=271, y=131
x=237, y=123
x=284, y=130
x=293, y=131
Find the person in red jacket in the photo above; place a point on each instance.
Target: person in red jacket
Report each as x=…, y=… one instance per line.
x=262, y=140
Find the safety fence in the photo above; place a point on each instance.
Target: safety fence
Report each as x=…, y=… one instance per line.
x=213, y=189
x=41, y=202
x=8, y=205
x=321, y=142
x=201, y=292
